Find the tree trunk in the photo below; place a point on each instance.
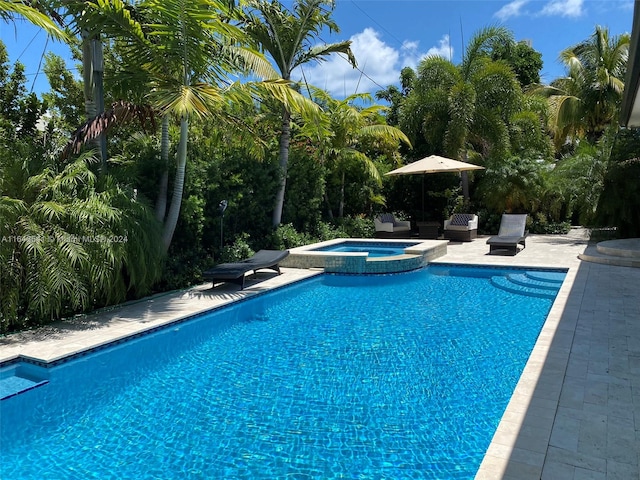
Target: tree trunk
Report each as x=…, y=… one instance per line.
x=341, y=206
x=285, y=138
x=465, y=185
x=464, y=178
x=92, y=72
x=178, y=186
x=326, y=200
x=98, y=95
x=163, y=188
x=87, y=76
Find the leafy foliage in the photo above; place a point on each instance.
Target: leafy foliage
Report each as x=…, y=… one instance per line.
x=70, y=243
x=286, y=236
x=351, y=132
x=238, y=250
x=525, y=61
x=587, y=100
x=619, y=204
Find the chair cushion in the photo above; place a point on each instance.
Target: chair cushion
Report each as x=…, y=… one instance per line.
x=458, y=228
x=512, y=225
x=387, y=218
x=461, y=219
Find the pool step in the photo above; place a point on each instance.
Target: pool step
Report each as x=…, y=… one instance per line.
x=550, y=277
x=19, y=378
x=527, y=281
x=505, y=283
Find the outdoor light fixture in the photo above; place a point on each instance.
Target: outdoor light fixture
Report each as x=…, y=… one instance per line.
x=222, y=206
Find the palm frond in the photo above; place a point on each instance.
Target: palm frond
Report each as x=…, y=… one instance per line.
x=385, y=131
x=8, y=8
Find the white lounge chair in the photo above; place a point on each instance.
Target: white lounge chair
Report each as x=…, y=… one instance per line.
x=387, y=226
x=461, y=227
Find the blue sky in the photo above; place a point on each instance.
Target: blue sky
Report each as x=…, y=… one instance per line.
x=388, y=35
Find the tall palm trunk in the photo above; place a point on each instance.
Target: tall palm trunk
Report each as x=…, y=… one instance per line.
x=325, y=195
x=92, y=73
x=285, y=139
x=341, y=206
x=163, y=187
x=178, y=186
x=87, y=77
x=326, y=200
x=98, y=88
x=464, y=178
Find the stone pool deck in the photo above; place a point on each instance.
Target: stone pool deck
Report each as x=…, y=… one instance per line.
x=575, y=413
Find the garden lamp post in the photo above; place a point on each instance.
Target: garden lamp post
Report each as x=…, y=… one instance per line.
x=222, y=206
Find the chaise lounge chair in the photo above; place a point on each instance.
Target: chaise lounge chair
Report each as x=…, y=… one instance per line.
x=235, y=272
x=511, y=234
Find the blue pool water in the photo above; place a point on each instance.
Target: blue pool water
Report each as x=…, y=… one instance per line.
x=374, y=249
x=391, y=376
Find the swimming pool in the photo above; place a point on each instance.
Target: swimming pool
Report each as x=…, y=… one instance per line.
x=340, y=376
x=372, y=248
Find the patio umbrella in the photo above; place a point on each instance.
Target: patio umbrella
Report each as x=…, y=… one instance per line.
x=435, y=164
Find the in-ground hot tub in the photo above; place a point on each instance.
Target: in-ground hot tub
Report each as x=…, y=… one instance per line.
x=362, y=255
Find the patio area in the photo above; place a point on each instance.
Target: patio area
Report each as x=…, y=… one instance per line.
x=575, y=413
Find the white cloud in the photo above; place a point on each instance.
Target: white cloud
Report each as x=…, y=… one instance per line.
x=512, y=9
x=377, y=59
x=381, y=63
x=443, y=49
x=563, y=8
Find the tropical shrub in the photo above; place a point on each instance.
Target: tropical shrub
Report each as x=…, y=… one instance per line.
x=70, y=242
x=574, y=186
x=240, y=249
x=357, y=226
x=540, y=224
x=286, y=236
x=619, y=204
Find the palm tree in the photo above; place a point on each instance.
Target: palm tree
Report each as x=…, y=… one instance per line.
x=183, y=56
x=348, y=131
x=286, y=36
x=46, y=17
x=585, y=101
x=513, y=184
x=455, y=108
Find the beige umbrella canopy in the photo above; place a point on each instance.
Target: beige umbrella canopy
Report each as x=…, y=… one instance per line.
x=434, y=164
x=437, y=164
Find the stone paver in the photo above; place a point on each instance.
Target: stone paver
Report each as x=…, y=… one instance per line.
x=575, y=413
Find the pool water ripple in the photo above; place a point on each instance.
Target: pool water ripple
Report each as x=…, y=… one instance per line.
x=298, y=388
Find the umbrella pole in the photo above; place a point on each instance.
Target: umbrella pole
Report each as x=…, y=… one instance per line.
x=423, y=197
x=464, y=177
